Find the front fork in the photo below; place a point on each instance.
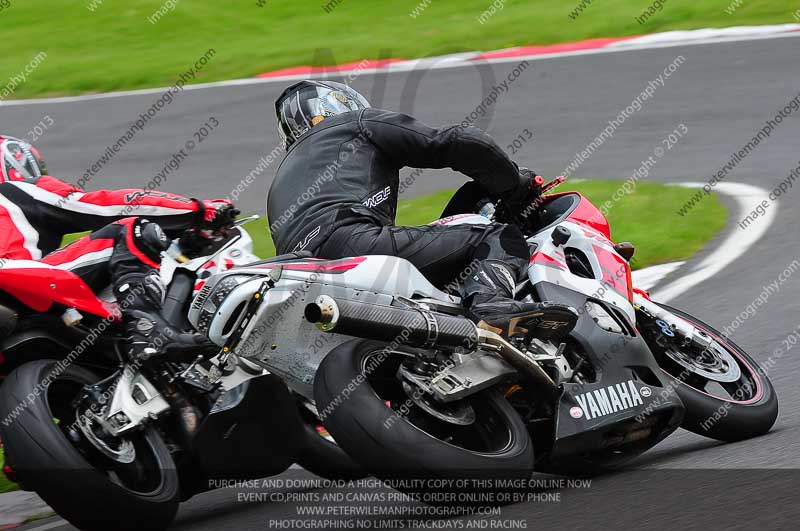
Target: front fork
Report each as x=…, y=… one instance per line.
x=672, y=325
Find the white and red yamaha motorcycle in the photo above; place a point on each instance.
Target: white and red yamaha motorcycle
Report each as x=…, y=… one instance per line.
x=409, y=386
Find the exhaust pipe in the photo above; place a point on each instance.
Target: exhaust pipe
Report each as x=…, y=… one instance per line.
x=415, y=327
x=418, y=328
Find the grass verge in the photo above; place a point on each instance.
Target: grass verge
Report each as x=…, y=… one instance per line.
x=103, y=45
x=645, y=217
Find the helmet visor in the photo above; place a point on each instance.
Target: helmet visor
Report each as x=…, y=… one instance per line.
x=302, y=107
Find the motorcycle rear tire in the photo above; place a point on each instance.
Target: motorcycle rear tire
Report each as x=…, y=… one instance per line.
x=358, y=422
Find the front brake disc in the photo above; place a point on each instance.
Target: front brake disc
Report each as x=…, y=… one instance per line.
x=714, y=363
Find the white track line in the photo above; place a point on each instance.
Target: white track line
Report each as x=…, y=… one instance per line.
x=430, y=63
x=650, y=276
x=621, y=47
x=735, y=245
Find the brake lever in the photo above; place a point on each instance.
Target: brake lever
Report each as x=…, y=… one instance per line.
x=247, y=219
x=552, y=184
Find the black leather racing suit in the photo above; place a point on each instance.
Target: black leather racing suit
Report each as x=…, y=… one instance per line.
x=335, y=194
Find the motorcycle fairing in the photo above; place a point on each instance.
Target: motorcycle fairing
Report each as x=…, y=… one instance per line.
x=591, y=429
x=376, y=279
x=574, y=207
x=375, y=274
x=39, y=286
x=587, y=433
x=317, y=265
x=590, y=234
x=609, y=277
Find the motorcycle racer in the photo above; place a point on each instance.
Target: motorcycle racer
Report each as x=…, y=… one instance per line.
x=347, y=155
x=131, y=228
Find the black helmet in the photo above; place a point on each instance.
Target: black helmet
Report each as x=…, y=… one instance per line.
x=305, y=104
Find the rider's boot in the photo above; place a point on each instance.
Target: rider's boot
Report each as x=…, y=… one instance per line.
x=141, y=297
x=140, y=293
x=489, y=292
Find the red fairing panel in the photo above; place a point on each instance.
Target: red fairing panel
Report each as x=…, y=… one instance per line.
x=588, y=214
x=321, y=266
x=616, y=272
x=547, y=260
x=39, y=288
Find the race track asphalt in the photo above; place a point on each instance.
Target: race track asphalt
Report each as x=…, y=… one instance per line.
x=723, y=93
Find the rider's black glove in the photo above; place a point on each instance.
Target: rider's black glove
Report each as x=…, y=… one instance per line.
x=520, y=200
x=199, y=242
x=218, y=214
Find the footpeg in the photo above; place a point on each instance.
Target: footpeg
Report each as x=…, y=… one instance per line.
x=546, y=322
